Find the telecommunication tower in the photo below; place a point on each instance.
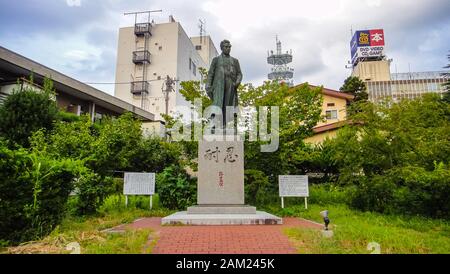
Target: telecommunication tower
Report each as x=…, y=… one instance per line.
x=280, y=70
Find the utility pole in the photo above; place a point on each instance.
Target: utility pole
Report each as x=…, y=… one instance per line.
x=168, y=84
x=166, y=88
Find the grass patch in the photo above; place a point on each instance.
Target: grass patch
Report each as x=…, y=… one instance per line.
x=354, y=230
x=130, y=242
x=87, y=231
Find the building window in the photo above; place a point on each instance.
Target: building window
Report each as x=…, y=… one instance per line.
x=331, y=114
x=330, y=105
x=198, y=47
x=193, y=67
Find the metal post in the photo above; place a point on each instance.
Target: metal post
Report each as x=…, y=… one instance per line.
x=126, y=200
x=282, y=202
x=151, y=202
x=92, y=111
x=306, y=203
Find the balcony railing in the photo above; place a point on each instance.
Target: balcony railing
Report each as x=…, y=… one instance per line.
x=141, y=29
x=142, y=56
x=139, y=87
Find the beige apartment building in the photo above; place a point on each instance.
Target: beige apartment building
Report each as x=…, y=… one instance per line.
x=148, y=53
x=334, y=112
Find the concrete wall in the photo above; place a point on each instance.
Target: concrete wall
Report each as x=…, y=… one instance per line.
x=320, y=137
x=155, y=129
x=186, y=52
x=208, y=50
x=373, y=70
x=9, y=89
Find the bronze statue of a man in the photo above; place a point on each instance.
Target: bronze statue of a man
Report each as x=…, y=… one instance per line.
x=224, y=77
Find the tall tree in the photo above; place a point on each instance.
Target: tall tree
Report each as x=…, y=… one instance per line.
x=299, y=111
x=355, y=86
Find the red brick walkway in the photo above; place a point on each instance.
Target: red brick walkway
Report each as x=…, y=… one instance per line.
x=251, y=239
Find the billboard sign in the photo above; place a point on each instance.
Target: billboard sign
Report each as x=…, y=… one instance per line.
x=367, y=44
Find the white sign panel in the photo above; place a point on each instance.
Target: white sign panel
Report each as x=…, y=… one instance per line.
x=293, y=185
x=139, y=183
x=370, y=51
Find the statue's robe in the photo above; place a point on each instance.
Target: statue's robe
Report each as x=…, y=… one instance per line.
x=224, y=77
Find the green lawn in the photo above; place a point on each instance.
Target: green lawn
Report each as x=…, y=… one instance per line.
x=87, y=231
x=354, y=230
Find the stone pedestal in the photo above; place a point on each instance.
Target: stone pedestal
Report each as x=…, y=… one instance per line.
x=221, y=209
x=220, y=193
x=258, y=218
x=220, y=173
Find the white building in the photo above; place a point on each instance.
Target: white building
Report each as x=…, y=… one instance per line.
x=148, y=53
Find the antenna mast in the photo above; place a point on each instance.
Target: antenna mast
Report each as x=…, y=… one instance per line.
x=281, y=72
x=141, y=12
x=202, y=29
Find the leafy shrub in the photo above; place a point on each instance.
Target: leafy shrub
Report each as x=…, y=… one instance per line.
x=422, y=192
x=152, y=155
x=406, y=190
x=116, y=203
x=106, y=147
x=91, y=189
x=327, y=194
x=26, y=111
x=176, y=189
x=373, y=194
x=256, y=187
x=68, y=117
x=33, y=193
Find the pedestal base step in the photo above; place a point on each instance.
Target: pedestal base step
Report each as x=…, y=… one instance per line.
x=221, y=209
x=260, y=218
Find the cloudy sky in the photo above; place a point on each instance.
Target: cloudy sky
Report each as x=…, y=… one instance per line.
x=79, y=37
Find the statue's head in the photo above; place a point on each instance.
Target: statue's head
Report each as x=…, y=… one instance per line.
x=225, y=46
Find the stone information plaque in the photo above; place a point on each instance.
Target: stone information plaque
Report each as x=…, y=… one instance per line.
x=139, y=183
x=293, y=185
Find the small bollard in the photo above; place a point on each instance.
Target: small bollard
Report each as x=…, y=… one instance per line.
x=326, y=233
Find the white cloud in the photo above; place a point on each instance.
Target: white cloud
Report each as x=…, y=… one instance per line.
x=73, y=3
x=373, y=3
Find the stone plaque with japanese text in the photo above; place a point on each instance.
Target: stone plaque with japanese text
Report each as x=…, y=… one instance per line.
x=221, y=173
x=293, y=185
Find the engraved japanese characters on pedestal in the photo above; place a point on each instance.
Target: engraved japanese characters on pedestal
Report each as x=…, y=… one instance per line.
x=221, y=173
